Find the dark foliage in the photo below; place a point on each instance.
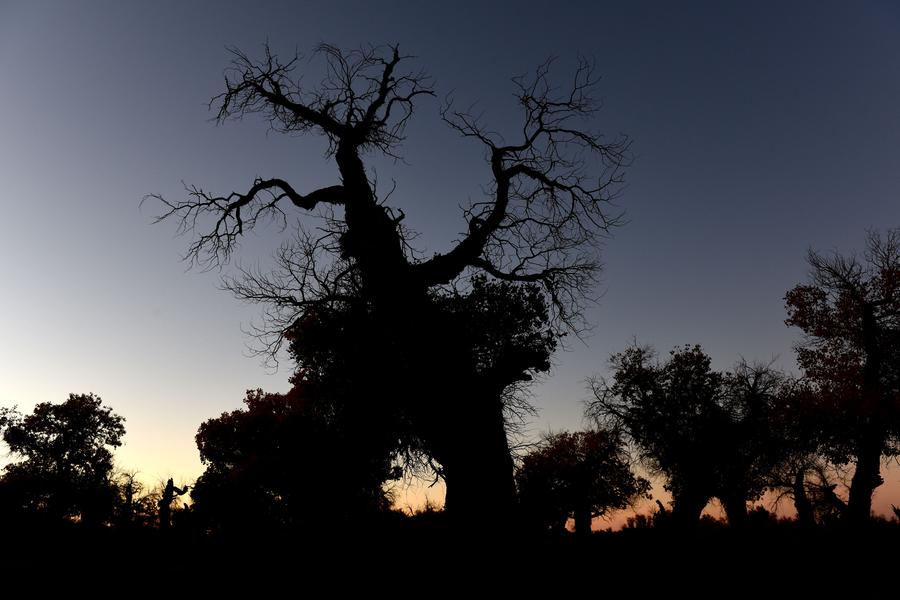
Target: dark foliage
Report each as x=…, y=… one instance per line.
x=850, y=315
x=332, y=443
x=708, y=433
x=64, y=471
x=547, y=206
x=283, y=463
x=579, y=475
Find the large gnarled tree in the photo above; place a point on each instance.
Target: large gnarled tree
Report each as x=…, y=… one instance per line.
x=546, y=207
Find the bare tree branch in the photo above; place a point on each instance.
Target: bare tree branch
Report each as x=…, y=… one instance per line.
x=306, y=278
x=357, y=102
x=230, y=214
x=552, y=189
x=363, y=102
x=552, y=194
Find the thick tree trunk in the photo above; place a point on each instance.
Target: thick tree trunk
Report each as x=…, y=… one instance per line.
x=867, y=475
x=866, y=478
x=479, y=473
x=583, y=520
x=460, y=422
x=735, y=506
x=686, y=509
x=805, y=515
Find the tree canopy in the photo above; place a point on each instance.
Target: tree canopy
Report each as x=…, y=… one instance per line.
x=282, y=464
x=849, y=313
x=578, y=475
x=709, y=433
x=66, y=460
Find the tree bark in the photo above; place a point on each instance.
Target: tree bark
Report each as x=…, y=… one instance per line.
x=867, y=475
x=458, y=416
x=687, y=508
x=583, y=520
x=866, y=478
x=479, y=471
x=805, y=515
x=736, y=509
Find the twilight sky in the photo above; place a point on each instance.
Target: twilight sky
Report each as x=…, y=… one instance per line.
x=759, y=131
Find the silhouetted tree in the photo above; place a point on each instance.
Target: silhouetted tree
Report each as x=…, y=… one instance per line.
x=501, y=330
x=545, y=210
x=129, y=490
x=707, y=432
x=578, y=475
x=666, y=410
x=329, y=430
x=286, y=461
x=749, y=448
x=170, y=492
x=801, y=427
x=850, y=315
x=144, y=503
x=65, y=453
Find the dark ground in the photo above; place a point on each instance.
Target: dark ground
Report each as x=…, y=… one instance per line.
x=779, y=561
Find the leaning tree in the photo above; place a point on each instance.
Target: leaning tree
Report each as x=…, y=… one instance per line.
x=546, y=206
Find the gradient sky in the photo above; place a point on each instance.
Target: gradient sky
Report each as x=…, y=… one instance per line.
x=759, y=131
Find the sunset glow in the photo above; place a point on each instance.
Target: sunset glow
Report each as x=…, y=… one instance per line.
x=756, y=132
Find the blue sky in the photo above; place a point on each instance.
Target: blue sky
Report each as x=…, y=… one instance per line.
x=759, y=131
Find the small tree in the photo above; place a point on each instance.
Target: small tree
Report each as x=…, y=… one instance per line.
x=578, y=475
x=667, y=411
x=66, y=458
x=749, y=444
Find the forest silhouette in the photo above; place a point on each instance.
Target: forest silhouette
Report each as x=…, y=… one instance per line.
x=408, y=366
